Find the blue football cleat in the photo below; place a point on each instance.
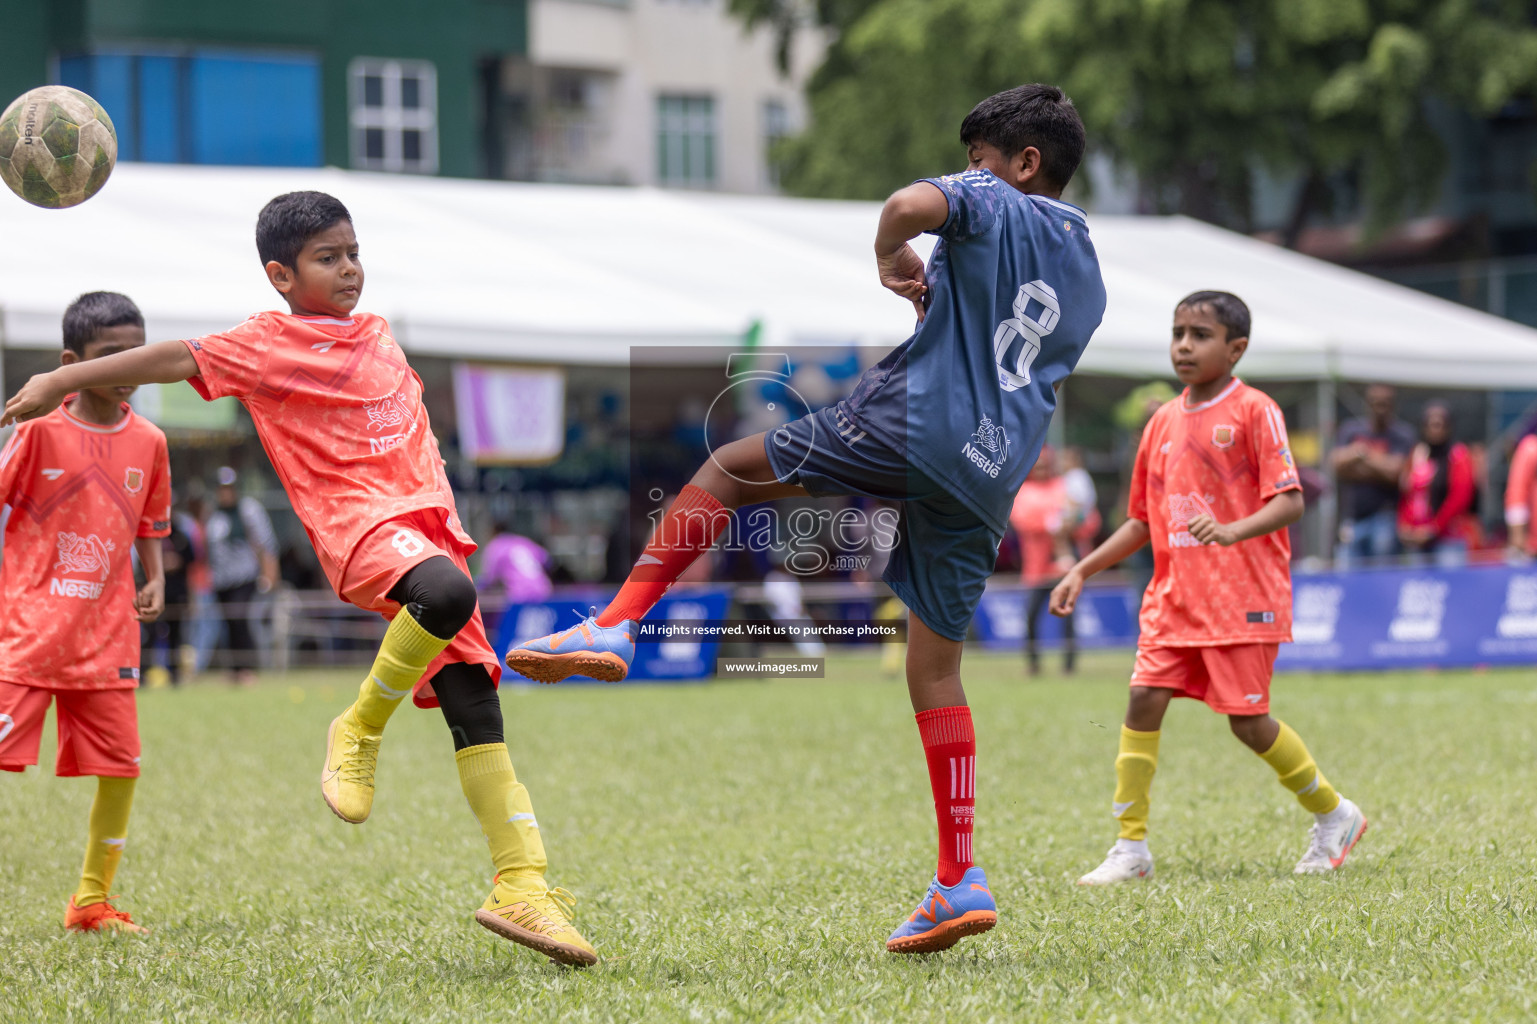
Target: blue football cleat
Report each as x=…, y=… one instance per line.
x=586, y=649
x=947, y=915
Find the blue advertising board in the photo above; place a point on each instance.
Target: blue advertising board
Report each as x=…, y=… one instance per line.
x=668, y=659
x=1103, y=619
x=1395, y=618
x=1366, y=619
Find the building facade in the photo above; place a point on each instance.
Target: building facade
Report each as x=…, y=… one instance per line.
x=390, y=85
x=643, y=92
x=672, y=93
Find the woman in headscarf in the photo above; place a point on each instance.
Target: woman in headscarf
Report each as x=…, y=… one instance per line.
x=1435, y=506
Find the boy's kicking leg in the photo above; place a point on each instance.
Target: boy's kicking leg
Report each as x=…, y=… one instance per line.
x=521, y=907
x=602, y=646
x=1135, y=765
x=945, y=583
x=959, y=901
x=1338, y=823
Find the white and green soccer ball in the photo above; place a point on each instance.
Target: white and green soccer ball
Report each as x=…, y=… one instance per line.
x=57, y=147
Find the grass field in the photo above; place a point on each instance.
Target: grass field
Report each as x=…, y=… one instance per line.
x=740, y=851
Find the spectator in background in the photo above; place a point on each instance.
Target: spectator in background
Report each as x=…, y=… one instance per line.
x=514, y=567
x=1043, y=517
x=1521, y=493
x=1083, y=499
x=243, y=561
x=177, y=555
x=1435, y=510
x=1369, y=459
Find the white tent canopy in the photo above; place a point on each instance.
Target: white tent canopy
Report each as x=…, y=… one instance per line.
x=543, y=273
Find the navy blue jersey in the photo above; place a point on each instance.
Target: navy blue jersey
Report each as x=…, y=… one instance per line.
x=1014, y=296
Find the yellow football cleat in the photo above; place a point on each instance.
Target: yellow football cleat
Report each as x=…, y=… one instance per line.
x=347, y=779
x=532, y=914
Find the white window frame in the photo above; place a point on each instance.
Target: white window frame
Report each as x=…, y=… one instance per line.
x=694, y=125
x=775, y=116
x=392, y=118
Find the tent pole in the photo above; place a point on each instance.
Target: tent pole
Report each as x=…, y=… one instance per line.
x=1328, y=504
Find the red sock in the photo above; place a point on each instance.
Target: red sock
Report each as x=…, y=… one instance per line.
x=951, y=749
x=687, y=531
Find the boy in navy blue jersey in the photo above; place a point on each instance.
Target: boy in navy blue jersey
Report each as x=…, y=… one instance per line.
x=948, y=424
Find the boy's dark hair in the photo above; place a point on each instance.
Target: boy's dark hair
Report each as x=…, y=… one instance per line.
x=1228, y=308
x=290, y=220
x=1031, y=115
x=95, y=311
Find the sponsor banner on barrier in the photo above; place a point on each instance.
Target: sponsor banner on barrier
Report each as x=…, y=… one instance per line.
x=1368, y=619
x=1385, y=618
x=687, y=656
x=1104, y=619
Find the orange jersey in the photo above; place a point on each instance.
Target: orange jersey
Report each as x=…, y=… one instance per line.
x=1521, y=489
x=1225, y=458
x=79, y=495
x=340, y=414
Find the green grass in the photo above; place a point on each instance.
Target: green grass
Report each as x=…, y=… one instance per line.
x=741, y=850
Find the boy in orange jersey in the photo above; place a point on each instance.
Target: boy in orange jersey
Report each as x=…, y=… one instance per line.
x=340, y=414
x=85, y=484
x=1214, y=488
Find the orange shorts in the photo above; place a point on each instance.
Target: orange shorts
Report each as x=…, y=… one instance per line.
x=1232, y=680
x=388, y=552
x=98, y=730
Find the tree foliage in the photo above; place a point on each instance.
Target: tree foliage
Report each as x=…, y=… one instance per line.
x=1198, y=97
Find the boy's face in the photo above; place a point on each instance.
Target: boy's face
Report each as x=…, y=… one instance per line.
x=1022, y=170
x=105, y=342
x=327, y=277
x=1200, y=349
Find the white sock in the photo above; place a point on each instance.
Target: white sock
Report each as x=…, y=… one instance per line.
x=1137, y=846
x=1340, y=810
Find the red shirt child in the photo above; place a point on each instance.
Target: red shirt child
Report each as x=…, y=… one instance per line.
x=88, y=485
x=340, y=414
x=1213, y=489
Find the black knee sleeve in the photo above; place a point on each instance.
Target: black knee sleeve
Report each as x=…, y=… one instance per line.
x=470, y=705
x=438, y=595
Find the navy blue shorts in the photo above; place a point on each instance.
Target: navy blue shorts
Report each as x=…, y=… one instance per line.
x=944, y=552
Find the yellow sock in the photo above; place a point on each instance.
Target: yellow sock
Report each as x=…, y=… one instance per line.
x=502, y=806
x=1289, y=756
x=405, y=654
x=108, y=833
x=1134, y=768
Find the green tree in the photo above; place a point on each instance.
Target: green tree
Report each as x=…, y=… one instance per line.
x=1197, y=97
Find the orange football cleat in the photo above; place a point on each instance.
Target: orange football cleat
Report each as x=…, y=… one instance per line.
x=100, y=917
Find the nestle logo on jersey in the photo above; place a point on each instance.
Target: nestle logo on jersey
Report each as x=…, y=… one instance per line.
x=988, y=448
x=378, y=445
x=1182, y=509
x=75, y=588
x=77, y=554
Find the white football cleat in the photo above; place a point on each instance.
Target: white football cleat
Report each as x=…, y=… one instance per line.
x=1331, y=839
x=1127, y=861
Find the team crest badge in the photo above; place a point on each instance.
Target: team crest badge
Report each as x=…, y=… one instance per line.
x=133, y=480
x=1222, y=435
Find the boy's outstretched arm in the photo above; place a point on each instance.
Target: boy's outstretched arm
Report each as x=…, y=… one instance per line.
x=1131, y=535
x=161, y=363
x=907, y=214
x=1279, y=512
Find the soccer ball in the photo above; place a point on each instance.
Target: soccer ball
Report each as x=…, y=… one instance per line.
x=57, y=147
